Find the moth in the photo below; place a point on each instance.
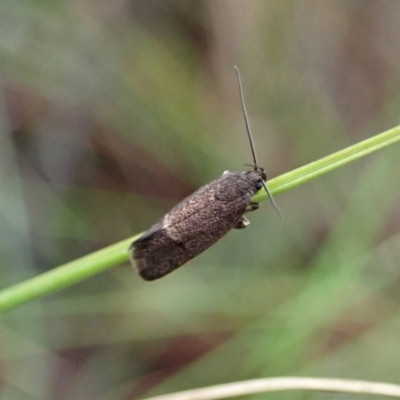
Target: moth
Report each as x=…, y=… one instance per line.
x=201, y=219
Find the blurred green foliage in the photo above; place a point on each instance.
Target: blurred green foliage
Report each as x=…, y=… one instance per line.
x=111, y=112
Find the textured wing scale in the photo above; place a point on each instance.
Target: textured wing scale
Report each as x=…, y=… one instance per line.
x=192, y=226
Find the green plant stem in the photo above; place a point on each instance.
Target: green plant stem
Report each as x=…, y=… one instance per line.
x=111, y=256
x=65, y=275
x=329, y=163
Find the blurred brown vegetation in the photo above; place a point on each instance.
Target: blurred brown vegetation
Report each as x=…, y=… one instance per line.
x=113, y=111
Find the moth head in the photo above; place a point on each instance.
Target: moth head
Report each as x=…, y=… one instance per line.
x=258, y=177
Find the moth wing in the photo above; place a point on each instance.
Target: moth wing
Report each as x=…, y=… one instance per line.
x=188, y=229
x=153, y=254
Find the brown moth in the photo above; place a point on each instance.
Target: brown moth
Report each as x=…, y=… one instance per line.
x=201, y=219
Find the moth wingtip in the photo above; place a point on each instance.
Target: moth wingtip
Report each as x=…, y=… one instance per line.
x=140, y=266
x=145, y=271
x=148, y=277
x=151, y=257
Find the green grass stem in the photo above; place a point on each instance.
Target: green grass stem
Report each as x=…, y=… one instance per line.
x=329, y=163
x=111, y=256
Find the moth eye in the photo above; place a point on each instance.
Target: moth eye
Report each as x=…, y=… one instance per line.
x=259, y=184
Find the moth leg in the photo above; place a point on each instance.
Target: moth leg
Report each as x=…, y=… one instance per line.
x=242, y=223
x=252, y=207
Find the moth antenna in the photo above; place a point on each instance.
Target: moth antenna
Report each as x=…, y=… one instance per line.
x=272, y=200
x=246, y=118
x=253, y=152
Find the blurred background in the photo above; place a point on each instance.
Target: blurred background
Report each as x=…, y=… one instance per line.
x=113, y=111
